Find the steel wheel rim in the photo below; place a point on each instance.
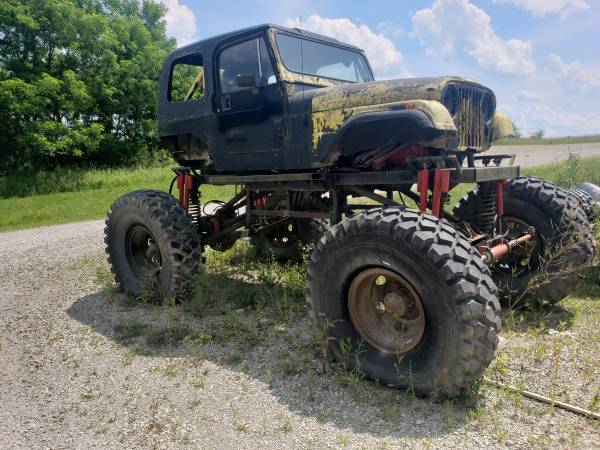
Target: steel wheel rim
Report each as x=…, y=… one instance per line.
x=386, y=311
x=142, y=251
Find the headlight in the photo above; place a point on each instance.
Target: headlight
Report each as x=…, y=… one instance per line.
x=487, y=108
x=451, y=99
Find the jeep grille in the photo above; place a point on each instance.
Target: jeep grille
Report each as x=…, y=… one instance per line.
x=473, y=109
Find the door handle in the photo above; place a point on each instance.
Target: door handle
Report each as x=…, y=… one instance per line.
x=225, y=102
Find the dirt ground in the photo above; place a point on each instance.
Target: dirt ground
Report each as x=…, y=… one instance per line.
x=539, y=155
x=83, y=367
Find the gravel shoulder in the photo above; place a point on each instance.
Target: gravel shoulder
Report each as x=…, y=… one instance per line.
x=83, y=367
x=540, y=155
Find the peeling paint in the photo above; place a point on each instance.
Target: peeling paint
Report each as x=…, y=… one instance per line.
x=329, y=121
x=379, y=92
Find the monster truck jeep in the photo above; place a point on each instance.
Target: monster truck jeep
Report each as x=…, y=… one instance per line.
x=409, y=294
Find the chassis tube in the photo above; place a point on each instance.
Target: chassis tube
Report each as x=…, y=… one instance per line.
x=498, y=251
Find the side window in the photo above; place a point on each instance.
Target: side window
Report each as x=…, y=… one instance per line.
x=244, y=66
x=187, y=79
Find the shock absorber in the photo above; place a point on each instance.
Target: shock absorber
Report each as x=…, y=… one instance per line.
x=486, y=207
x=188, y=192
x=194, y=205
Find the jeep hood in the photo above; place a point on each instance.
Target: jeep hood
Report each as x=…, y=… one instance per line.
x=354, y=95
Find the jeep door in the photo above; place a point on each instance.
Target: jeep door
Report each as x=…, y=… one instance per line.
x=249, y=106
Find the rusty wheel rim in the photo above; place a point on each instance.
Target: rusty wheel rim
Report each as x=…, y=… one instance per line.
x=386, y=311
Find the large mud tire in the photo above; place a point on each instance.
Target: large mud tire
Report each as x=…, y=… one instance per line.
x=172, y=240
x=301, y=232
x=564, y=243
x=588, y=196
x=454, y=287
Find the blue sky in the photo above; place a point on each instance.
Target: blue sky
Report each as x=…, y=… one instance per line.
x=541, y=57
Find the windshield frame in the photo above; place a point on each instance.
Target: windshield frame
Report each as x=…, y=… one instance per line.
x=313, y=78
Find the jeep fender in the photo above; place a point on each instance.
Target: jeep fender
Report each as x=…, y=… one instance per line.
x=348, y=131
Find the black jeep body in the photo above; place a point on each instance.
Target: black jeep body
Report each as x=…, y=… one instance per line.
x=262, y=110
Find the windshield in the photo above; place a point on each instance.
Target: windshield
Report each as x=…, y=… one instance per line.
x=322, y=60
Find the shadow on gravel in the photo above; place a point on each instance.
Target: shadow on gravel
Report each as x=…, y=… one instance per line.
x=525, y=319
x=262, y=330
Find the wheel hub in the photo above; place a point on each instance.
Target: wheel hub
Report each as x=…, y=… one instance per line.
x=143, y=253
x=386, y=310
x=395, y=304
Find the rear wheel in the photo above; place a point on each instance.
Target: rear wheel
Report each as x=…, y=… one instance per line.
x=152, y=245
x=588, y=196
x=548, y=268
x=403, y=298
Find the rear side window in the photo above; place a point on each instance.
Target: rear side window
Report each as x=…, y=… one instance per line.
x=187, y=79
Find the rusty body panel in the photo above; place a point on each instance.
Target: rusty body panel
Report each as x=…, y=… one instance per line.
x=379, y=92
x=328, y=122
x=332, y=107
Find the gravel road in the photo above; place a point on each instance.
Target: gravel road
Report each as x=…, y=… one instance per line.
x=539, y=155
x=74, y=374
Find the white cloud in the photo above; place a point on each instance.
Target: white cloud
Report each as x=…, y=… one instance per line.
x=180, y=22
x=576, y=76
x=458, y=28
x=390, y=29
x=536, y=116
x=543, y=7
x=529, y=96
x=386, y=60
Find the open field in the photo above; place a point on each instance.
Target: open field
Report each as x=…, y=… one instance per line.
x=550, y=141
x=85, y=367
x=71, y=196
x=539, y=155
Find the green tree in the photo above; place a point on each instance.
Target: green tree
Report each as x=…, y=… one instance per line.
x=539, y=134
x=78, y=81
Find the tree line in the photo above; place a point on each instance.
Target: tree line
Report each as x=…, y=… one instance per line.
x=78, y=82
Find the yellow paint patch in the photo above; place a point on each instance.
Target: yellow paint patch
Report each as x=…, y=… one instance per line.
x=330, y=121
x=380, y=92
x=502, y=126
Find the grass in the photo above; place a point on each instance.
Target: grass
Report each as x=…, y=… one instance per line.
x=76, y=180
x=90, y=194
x=550, y=141
x=571, y=172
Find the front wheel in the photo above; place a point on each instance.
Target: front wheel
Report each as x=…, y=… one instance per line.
x=403, y=298
x=152, y=245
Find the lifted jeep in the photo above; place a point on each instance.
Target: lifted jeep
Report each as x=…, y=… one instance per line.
x=297, y=120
